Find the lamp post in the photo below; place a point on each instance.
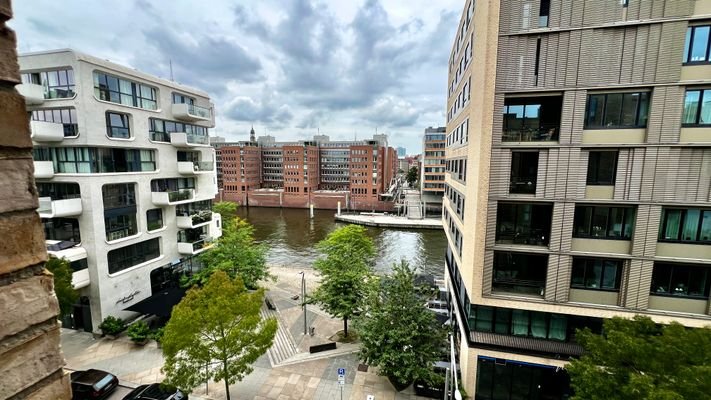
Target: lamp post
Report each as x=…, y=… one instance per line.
x=303, y=299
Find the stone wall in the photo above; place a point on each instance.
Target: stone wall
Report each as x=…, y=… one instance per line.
x=31, y=366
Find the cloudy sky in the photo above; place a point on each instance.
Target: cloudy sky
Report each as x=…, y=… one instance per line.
x=290, y=67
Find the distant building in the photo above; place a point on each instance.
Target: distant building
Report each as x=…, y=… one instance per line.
x=125, y=176
x=297, y=174
x=432, y=169
x=401, y=151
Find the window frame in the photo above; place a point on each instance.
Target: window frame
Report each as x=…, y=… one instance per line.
x=699, y=108
x=129, y=261
x=664, y=224
x=104, y=92
x=148, y=219
x=588, y=264
x=670, y=280
x=126, y=118
x=690, y=34
x=596, y=181
x=603, y=112
x=589, y=223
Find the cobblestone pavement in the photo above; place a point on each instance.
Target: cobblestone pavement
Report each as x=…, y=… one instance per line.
x=301, y=376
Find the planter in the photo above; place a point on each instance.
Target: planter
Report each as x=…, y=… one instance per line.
x=140, y=342
x=399, y=386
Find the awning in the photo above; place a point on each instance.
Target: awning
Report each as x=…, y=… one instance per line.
x=160, y=304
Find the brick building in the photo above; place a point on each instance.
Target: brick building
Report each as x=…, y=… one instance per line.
x=264, y=172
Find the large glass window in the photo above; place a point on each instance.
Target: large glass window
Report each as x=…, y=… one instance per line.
x=161, y=129
x=696, y=48
x=182, y=99
x=603, y=222
x=66, y=116
x=117, y=125
x=85, y=160
x=523, y=223
x=500, y=379
x=596, y=273
x=154, y=219
x=685, y=225
x=520, y=272
x=506, y=321
x=602, y=167
x=58, y=190
x=532, y=119
x=684, y=280
x=58, y=83
x=128, y=256
x=119, y=210
x=122, y=91
x=63, y=229
x=617, y=110
x=524, y=172
x=697, y=108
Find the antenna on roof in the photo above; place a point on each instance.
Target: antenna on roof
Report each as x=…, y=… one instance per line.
x=170, y=62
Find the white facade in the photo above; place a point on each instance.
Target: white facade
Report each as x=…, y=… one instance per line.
x=110, y=293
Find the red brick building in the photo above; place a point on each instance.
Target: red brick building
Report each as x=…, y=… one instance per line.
x=239, y=168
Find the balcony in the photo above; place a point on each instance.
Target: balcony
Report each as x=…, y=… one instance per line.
x=46, y=131
x=32, y=92
x=195, y=241
x=49, y=208
x=191, y=112
x=44, y=169
x=173, y=197
x=195, y=167
x=195, y=220
x=185, y=140
x=76, y=255
x=196, y=247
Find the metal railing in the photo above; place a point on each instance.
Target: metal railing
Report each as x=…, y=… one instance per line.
x=180, y=195
x=198, y=111
x=542, y=134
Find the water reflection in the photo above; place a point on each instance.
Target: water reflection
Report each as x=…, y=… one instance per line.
x=291, y=237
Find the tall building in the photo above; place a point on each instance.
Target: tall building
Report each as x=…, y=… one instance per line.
x=357, y=174
x=401, y=152
x=432, y=171
x=125, y=177
x=578, y=180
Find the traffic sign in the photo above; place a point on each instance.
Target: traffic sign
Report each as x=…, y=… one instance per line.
x=341, y=380
x=341, y=371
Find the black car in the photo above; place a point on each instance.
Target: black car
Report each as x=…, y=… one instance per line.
x=156, y=391
x=92, y=384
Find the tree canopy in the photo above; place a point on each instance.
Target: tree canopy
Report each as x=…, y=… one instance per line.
x=235, y=252
x=66, y=294
x=637, y=359
x=412, y=175
x=345, y=269
x=398, y=334
x=215, y=333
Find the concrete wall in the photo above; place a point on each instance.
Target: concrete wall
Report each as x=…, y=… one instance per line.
x=29, y=331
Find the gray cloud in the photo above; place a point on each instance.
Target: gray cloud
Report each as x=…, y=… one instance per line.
x=392, y=112
x=265, y=110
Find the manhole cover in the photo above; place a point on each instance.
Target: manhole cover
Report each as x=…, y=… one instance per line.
x=362, y=368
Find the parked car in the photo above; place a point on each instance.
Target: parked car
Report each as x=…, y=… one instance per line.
x=92, y=384
x=156, y=391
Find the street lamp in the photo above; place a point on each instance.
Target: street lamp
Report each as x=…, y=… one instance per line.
x=303, y=299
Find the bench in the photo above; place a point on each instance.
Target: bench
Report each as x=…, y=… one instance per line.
x=322, y=347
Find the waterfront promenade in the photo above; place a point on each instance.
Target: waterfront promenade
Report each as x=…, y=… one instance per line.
x=390, y=221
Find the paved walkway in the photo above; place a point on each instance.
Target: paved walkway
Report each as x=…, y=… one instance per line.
x=287, y=371
x=390, y=221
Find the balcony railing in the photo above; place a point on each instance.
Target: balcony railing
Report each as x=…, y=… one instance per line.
x=191, y=112
x=523, y=185
x=195, y=247
x=43, y=131
x=32, y=92
x=542, y=134
x=172, y=197
x=194, y=219
x=69, y=206
x=44, y=169
x=183, y=139
x=194, y=167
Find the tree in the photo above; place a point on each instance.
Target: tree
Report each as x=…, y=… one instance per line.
x=228, y=211
x=215, y=333
x=638, y=359
x=398, y=334
x=235, y=253
x=66, y=294
x=345, y=270
x=412, y=176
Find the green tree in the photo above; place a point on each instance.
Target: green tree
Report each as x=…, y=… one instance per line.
x=412, y=176
x=637, y=359
x=398, y=334
x=215, y=333
x=228, y=211
x=66, y=294
x=345, y=269
x=235, y=253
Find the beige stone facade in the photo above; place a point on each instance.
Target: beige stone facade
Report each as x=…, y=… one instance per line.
x=29, y=330
x=586, y=193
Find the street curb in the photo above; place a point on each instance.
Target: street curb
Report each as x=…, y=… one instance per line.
x=300, y=358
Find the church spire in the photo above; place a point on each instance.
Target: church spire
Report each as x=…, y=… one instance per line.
x=251, y=135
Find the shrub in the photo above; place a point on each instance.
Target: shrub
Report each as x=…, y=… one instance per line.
x=112, y=325
x=139, y=332
x=157, y=334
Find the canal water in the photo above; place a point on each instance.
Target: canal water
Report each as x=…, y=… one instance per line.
x=291, y=237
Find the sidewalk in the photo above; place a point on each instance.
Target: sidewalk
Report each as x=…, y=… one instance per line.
x=300, y=375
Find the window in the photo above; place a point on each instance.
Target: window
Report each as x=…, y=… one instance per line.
x=596, y=273
x=119, y=210
x=602, y=167
x=683, y=280
x=122, y=91
x=544, y=13
x=603, y=222
x=65, y=116
x=128, y=256
x=524, y=172
x=617, y=110
x=499, y=379
x=523, y=223
x=58, y=84
x=696, y=47
x=506, y=321
x=161, y=129
x=520, y=273
x=117, y=125
x=58, y=190
x=697, y=108
x=86, y=160
x=182, y=99
x=685, y=225
x=531, y=119
x=154, y=219
x=63, y=229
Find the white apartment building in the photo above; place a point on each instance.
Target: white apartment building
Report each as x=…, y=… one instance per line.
x=125, y=175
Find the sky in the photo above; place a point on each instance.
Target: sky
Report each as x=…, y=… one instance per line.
x=291, y=68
